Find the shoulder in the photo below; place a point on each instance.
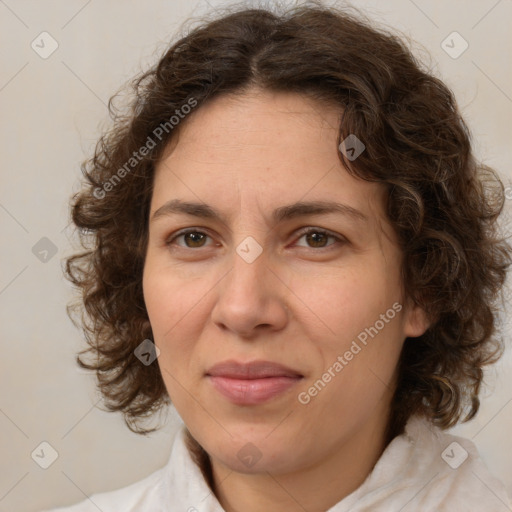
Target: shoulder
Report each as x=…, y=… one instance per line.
x=427, y=469
x=178, y=484
x=139, y=496
x=453, y=471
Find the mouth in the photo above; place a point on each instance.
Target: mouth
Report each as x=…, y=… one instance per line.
x=252, y=383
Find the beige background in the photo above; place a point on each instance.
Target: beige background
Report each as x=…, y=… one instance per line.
x=52, y=110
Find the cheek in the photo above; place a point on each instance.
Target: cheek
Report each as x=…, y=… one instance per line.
x=343, y=305
x=164, y=311
x=358, y=317
x=356, y=377
x=169, y=299
x=175, y=310
x=157, y=297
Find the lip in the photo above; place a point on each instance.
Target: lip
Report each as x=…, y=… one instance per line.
x=252, y=370
x=252, y=383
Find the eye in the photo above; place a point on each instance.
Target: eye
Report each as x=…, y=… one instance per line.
x=192, y=237
x=316, y=238
x=319, y=237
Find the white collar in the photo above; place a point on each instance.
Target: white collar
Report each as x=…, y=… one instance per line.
x=414, y=473
x=183, y=485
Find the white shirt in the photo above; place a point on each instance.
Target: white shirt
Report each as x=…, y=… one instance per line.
x=423, y=470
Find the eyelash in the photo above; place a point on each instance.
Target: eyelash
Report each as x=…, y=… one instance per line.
x=304, y=232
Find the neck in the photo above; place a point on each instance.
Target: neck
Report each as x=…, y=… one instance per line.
x=315, y=488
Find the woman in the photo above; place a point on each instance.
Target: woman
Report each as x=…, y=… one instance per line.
x=289, y=238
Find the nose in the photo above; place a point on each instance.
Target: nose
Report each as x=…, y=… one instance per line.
x=250, y=298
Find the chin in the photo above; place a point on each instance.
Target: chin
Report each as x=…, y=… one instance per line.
x=250, y=451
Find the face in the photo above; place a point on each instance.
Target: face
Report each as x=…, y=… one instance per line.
x=248, y=276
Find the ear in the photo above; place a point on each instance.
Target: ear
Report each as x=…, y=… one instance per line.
x=416, y=321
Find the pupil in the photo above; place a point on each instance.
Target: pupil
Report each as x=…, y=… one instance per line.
x=195, y=237
x=315, y=237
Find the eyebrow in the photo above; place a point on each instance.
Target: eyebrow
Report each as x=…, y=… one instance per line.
x=288, y=212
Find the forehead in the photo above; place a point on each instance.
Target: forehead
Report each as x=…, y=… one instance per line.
x=261, y=150
x=257, y=119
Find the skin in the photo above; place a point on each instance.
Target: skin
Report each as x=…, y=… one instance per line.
x=301, y=303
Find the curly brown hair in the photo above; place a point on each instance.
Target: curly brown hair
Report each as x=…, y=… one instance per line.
x=442, y=203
